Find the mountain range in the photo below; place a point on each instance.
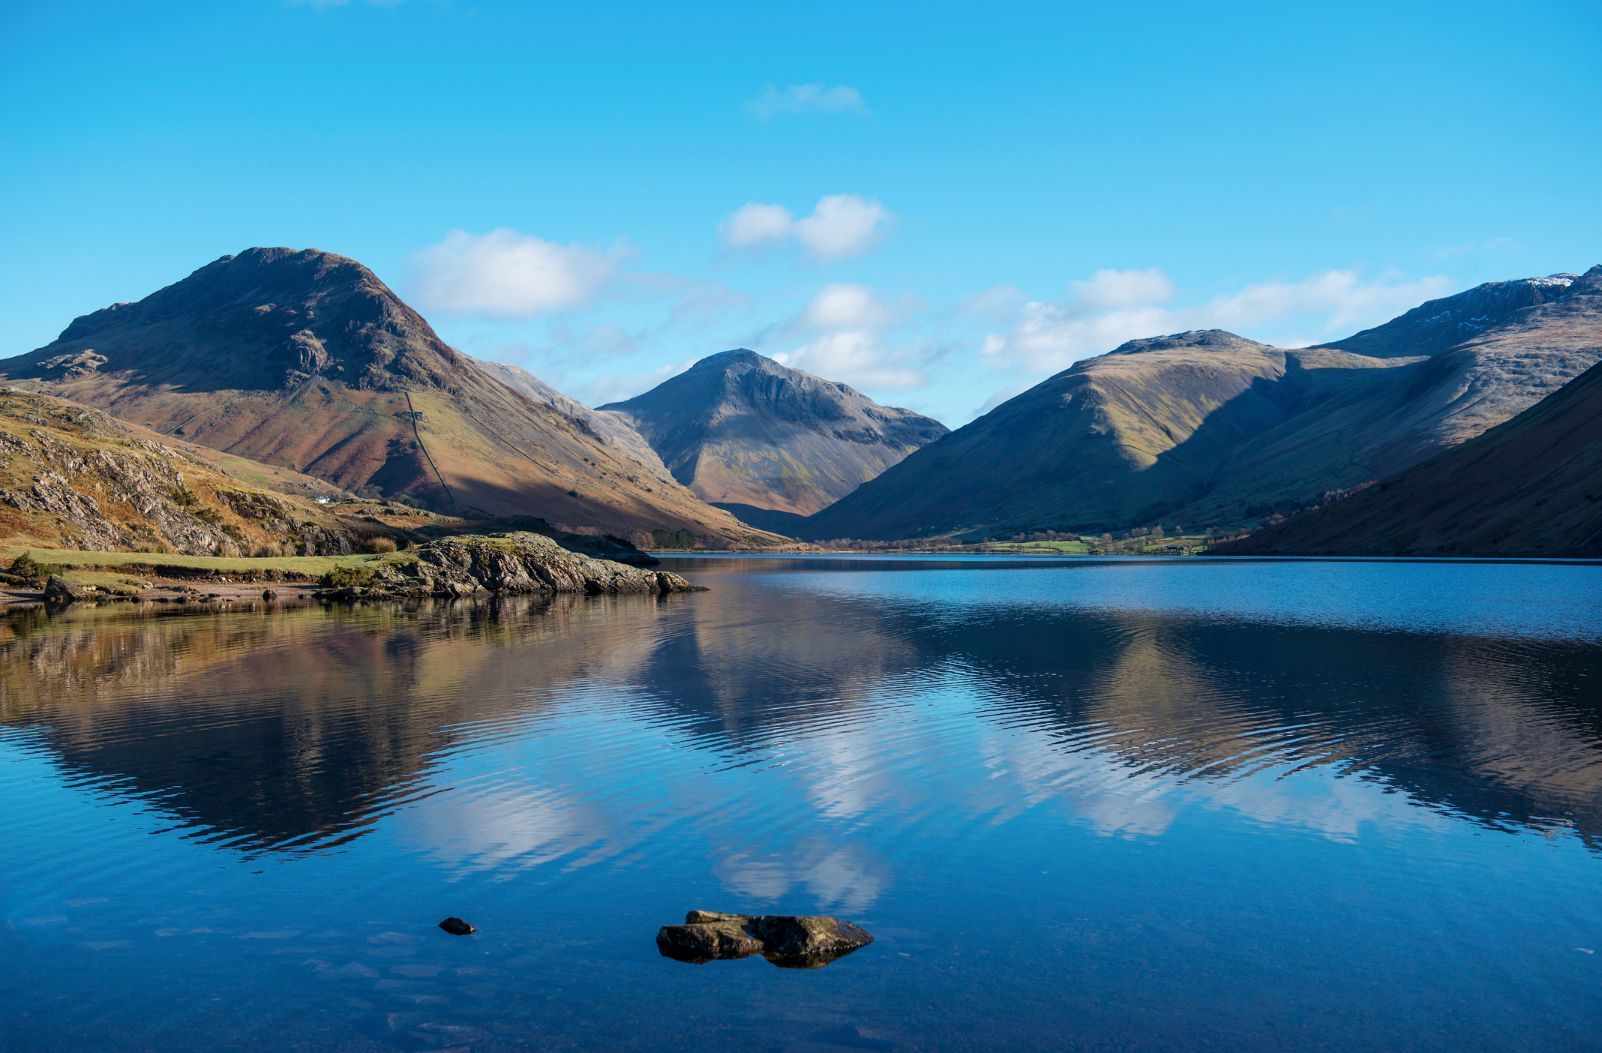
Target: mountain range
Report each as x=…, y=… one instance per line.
x=1457, y=427
x=768, y=442
x=1210, y=429
x=306, y=360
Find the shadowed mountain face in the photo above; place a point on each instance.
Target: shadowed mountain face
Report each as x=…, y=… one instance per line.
x=1529, y=487
x=1209, y=429
x=742, y=430
x=306, y=360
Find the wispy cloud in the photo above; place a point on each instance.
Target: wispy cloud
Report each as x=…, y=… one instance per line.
x=509, y=275
x=840, y=225
x=1112, y=307
x=1112, y=288
x=617, y=387
x=806, y=98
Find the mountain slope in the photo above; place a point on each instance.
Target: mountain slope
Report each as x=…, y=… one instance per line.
x=742, y=430
x=1209, y=429
x=609, y=428
x=73, y=477
x=305, y=359
x=1531, y=486
x=1090, y=448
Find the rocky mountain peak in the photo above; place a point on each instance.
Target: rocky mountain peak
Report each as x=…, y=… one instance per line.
x=292, y=315
x=742, y=429
x=1441, y=324
x=1587, y=284
x=1211, y=339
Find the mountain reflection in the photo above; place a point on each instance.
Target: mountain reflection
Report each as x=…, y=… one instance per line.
x=279, y=727
x=299, y=729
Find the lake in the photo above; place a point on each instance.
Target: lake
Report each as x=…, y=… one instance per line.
x=1082, y=804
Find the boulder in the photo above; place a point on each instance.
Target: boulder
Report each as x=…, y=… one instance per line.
x=807, y=941
x=457, y=927
x=58, y=592
x=707, y=941
x=787, y=940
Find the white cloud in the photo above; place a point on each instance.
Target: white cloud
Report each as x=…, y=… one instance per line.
x=756, y=224
x=843, y=337
x=508, y=274
x=845, y=305
x=840, y=225
x=1342, y=297
x=806, y=98
x=1112, y=307
x=1110, y=288
x=1049, y=336
x=860, y=358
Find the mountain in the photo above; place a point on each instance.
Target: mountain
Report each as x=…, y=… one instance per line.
x=73, y=477
x=305, y=359
x=1209, y=429
x=749, y=434
x=609, y=428
x=1531, y=486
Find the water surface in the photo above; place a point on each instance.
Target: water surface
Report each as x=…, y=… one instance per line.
x=1248, y=805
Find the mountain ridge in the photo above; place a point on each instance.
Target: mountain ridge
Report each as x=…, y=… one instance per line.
x=305, y=359
x=1207, y=428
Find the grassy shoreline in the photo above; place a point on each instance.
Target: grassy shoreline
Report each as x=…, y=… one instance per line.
x=133, y=573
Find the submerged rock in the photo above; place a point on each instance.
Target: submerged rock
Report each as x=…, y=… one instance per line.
x=787, y=940
x=457, y=927
x=506, y=564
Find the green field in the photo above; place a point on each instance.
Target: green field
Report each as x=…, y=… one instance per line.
x=1182, y=544
x=121, y=571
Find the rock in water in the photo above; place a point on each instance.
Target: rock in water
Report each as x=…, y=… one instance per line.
x=58, y=592
x=787, y=940
x=807, y=941
x=458, y=927
x=707, y=941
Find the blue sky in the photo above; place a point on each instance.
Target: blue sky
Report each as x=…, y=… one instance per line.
x=939, y=204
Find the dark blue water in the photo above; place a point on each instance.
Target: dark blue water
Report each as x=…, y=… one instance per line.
x=1087, y=805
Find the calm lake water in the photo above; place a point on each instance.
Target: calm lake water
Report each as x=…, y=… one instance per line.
x=1082, y=804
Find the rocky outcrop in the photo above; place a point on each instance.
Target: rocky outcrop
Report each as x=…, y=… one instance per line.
x=58, y=591
x=506, y=564
x=787, y=940
x=74, y=477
